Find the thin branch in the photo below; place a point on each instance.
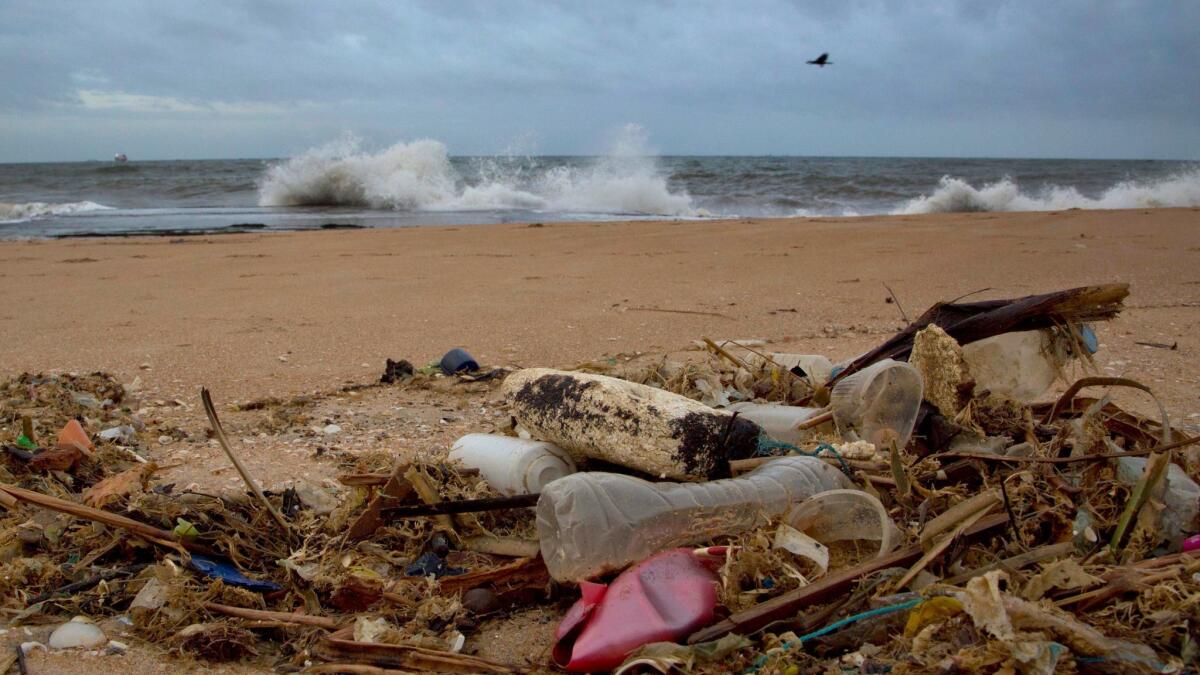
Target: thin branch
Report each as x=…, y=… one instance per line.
x=211, y=410
x=903, y=314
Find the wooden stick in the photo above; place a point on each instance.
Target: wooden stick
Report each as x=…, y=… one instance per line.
x=266, y=615
x=463, y=506
x=341, y=646
x=720, y=351
x=211, y=410
x=63, y=506
x=8, y=501
x=816, y=420
x=787, y=605
x=1016, y=562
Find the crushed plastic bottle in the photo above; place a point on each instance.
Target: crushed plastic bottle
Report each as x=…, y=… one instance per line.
x=592, y=523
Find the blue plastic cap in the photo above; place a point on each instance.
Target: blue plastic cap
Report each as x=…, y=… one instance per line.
x=458, y=360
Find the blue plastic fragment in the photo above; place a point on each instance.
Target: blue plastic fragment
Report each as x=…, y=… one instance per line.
x=218, y=569
x=1090, y=341
x=431, y=563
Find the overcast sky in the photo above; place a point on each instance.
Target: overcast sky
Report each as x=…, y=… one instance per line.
x=268, y=78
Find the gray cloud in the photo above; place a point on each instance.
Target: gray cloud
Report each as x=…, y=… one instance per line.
x=265, y=78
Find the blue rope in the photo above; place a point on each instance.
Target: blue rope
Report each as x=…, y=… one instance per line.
x=767, y=446
x=836, y=626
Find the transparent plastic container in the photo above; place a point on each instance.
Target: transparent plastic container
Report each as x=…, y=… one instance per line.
x=779, y=421
x=845, y=515
x=594, y=522
x=513, y=465
x=884, y=396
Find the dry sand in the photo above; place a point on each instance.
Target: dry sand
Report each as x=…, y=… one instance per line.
x=277, y=314
x=281, y=314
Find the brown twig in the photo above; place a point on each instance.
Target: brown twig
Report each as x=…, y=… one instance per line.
x=213, y=420
x=266, y=615
x=141, y=529
x=903, y=314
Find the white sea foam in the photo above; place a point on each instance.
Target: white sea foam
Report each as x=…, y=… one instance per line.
x=22, y=211
x=420, y=176
x=954, y=194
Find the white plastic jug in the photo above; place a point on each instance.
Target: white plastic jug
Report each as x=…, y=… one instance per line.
x=513, y=465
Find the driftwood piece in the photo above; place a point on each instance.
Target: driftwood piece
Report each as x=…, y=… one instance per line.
x=340, y=646
x=787, y=605
x=395, y=488
x=969, y=322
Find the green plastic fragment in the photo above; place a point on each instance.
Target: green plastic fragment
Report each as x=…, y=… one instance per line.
x=185, y=530
x=25, y=442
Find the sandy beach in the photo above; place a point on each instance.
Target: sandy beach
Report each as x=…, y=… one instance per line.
x=285, y=314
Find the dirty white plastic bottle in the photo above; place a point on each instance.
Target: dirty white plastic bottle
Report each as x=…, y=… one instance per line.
x=594, y=522
x=779, y=421
x=1020, y=365
x=513, y=465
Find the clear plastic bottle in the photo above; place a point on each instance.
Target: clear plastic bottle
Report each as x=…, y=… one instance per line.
x=592, y=523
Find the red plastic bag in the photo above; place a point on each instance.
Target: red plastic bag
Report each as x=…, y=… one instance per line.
x=665, y=597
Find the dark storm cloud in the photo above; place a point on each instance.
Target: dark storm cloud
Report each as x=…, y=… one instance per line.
x=1072, y=78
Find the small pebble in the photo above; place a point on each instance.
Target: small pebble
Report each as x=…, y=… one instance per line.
x=332, y=429
x=481, y=601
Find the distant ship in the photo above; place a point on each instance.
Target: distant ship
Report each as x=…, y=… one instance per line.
x=120, y=158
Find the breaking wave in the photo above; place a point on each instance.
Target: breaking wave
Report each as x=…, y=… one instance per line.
x=956, y=195
x=22, y=211
x=420, y=176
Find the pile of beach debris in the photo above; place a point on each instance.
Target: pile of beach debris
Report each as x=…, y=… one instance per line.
x=923, y=507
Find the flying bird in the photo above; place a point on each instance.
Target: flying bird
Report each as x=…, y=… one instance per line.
x=822, y=60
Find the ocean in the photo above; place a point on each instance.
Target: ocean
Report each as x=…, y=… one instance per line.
x=342, y=184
